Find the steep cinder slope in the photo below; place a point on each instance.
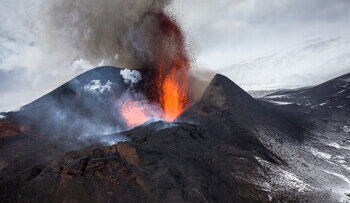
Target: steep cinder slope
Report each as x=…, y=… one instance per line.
x=225, y=104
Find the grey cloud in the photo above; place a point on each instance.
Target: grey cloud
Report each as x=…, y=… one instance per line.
x=286, y=11
x=97, y=30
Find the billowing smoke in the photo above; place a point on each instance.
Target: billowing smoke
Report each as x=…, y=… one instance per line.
x=98, y=30
x=135, y=34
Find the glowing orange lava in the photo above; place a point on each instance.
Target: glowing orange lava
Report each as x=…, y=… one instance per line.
x=173, y=91
x=165, y=80
x=134, y=112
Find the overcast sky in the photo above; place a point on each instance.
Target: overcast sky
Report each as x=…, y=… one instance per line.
x=257, y=43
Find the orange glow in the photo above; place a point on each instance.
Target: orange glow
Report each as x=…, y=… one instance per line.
x=165, y=84
x=134, y=112
x=171, y=102
x=173, y=90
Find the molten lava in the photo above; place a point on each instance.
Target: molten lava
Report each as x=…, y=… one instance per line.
x=134, y=112
x=173, y=91
x=172, y=68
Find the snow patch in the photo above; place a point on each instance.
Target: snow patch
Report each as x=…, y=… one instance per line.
x=281, y=102
x=344, y=178
x=278, y=96
x=335, y=145
x=341, y=91
x=324, y=103
x=340, y=191
x=346, y=167
x=341, y=161
x=319, y=154
x=2, y=116
x=338, y=146
x=294, y=181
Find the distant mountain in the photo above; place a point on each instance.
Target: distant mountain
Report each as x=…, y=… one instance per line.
x=307, y=64
x=331, y=94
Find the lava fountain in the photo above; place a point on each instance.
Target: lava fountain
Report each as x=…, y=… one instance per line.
x=160, y=45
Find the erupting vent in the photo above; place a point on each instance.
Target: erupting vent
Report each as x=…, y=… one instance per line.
x=173, y=90
x=161, y=46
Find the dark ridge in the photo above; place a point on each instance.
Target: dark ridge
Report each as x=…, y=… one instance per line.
x=227, y=101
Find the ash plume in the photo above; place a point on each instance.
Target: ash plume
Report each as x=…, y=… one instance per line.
x=98, y=30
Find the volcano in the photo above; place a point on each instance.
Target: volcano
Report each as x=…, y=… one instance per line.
x=225, y=147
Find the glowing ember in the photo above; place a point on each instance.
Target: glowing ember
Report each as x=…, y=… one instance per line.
x=134, y=112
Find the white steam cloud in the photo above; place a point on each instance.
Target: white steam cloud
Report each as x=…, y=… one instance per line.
x=131, y=77
x=96, y=87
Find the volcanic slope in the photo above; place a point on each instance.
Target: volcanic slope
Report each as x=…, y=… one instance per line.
x=90, y=95
x=70, y=117
x=227, y=105
x=320, y=163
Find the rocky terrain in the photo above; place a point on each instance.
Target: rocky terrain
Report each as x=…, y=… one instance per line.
x=288, y=146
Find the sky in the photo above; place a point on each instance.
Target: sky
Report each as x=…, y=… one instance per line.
x=259, y=44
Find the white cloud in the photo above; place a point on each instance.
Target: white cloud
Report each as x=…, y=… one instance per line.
x=96, y=87
x=131, y=77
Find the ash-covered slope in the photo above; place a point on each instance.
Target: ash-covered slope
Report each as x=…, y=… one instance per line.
x=321, y=162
